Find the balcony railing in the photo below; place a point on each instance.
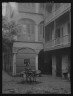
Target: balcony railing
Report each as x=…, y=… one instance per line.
x=65, y=40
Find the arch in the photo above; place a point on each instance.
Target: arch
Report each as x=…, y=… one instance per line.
x=24, y=54
x=42, y=22
x=26, y=21
x=32, y=50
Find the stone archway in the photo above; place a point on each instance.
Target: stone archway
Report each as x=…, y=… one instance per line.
x=23, y=54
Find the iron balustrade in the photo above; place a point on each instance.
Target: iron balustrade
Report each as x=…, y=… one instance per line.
x=58, y=41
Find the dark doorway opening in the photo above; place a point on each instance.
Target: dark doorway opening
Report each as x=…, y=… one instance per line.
x=41, y=60
x=45, y=62
x=59, y=66
x=48, y=66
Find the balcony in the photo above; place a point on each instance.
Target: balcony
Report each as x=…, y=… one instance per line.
x=58, y=43
x=57, y=12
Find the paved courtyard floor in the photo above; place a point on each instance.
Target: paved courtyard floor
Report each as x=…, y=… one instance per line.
x=44, y=85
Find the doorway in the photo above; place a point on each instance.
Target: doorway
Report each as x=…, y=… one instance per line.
x=48, y=66
x=45, y=63
x=58, y=66
x=41, y=61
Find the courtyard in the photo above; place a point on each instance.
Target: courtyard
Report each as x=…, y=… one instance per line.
x=36, y=36
x=44, y=85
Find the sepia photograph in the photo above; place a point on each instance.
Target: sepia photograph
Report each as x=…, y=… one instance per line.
x=36, y=43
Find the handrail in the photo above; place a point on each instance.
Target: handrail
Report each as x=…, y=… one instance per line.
x=53, y=43
x=58, y=38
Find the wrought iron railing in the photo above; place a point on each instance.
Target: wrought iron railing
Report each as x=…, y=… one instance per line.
x=58, y=41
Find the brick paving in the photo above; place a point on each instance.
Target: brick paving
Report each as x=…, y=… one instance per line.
x=44, y=85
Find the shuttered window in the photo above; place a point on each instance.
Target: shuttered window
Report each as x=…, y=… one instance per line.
x=57, y=33
x=28, y=29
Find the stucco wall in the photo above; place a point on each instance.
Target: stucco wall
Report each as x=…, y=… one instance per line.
x=25, y=54
x=26, y=7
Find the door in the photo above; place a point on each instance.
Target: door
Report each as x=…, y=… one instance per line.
x=58, y=66
x=47, y=68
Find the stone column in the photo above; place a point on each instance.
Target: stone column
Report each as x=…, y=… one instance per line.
x=14, y=64
x=36, y=33
x=36, y=62
x=54, y=65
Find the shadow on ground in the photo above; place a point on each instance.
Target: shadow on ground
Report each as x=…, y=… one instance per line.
x=29, y=82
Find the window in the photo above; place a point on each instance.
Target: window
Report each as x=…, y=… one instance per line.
x=32, y=28
x=28, y=26
x=41, y=30
x=50, y=34
x=28, y=29
x=57, y=32
x=24, y=29
x=62, y=30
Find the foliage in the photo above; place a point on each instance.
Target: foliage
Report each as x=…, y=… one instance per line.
x=9, y=31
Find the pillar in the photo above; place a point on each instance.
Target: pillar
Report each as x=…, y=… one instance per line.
x=36, y=62
x=36, y=33
x=54, y=65
x=14, y=64
x=54, y=32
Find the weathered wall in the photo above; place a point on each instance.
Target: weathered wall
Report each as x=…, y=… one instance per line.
x=24, y=54
x=26, y=7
